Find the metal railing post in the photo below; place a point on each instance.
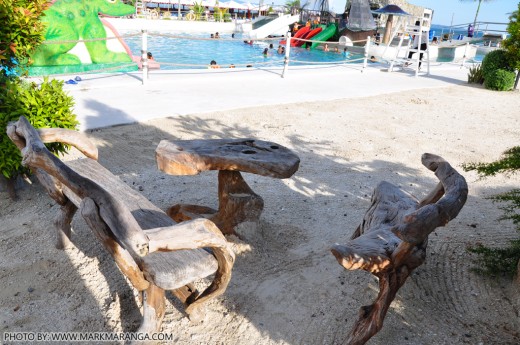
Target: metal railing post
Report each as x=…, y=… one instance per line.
x=144, y=56
x=464, y=57
x=367, y=47
x=287, y=54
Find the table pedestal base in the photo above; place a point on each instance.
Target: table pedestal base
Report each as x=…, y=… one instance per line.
x=237, y=204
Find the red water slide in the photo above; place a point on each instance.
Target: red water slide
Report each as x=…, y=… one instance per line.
x=307, y=36
x=298, y=34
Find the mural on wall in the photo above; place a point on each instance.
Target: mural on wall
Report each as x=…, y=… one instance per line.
x=72, y=20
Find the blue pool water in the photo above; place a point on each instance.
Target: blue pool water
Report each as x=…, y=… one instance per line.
x=200, y=52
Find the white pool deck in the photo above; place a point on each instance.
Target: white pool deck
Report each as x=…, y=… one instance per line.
x=112, y=99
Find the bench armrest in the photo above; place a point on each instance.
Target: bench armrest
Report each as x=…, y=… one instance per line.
x=53, y=135
x=68, y=136
x=198, y=233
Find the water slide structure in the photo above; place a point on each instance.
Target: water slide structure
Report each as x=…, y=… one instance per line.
x=277, y=26
x=324, y=35
x=308, y=35
x=302, y=31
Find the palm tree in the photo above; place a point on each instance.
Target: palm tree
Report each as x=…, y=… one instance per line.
x=478, y=9
x=295, y=6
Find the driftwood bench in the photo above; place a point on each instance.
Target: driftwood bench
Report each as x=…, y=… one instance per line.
x=149, y=248
x=237, y=201
x=392, y=238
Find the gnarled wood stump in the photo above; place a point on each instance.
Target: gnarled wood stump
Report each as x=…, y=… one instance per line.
x=391, y=241
x=237, y=201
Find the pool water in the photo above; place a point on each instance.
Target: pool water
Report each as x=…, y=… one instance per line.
x=191, y=51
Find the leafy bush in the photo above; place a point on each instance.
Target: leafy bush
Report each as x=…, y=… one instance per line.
x=501, y=80
x=501, y=260
x=512, y=43
x=45, y=106
x=475, y=75
x=495, y=60
x=20, y=33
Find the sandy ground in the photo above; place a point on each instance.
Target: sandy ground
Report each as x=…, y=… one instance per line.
x=287, y=288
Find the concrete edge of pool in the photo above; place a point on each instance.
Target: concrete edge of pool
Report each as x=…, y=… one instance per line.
x=182, y=92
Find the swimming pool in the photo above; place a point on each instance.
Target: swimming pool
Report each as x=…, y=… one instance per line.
x=191, y=51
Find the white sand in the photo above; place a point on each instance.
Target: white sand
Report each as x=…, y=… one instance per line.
x=287, y=288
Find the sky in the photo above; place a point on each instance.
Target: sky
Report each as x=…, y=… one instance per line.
x=463, y=11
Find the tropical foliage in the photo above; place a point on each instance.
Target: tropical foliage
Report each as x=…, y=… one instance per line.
x=45, y=106
x=512, y=43
x=295, y=6
x=220, y=14
x=198, y=9
x=475, y=75
x=501, y=260
x=20, y=33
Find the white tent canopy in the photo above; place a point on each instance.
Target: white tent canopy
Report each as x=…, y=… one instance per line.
x=233, y=4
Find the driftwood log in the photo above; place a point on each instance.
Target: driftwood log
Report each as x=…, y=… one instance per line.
x=237, y=201
x=391, y=241
x=149, y=248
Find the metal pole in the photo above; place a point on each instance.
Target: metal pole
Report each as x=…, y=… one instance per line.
x=464, y=57
x=287, y=51
x=144, y=56
x=367, y=47
x=451, y=25
x=179, y=10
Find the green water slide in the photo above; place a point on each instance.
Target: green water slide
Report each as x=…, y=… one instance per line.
x=324, y=35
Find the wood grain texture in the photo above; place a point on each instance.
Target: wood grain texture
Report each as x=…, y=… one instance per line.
x=128, y=225
x=237, y=204
x=190, y=157
x=70, y=137
x=391, y=240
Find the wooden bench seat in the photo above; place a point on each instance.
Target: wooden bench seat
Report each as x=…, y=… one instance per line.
x=169, y=270
x=153, y=252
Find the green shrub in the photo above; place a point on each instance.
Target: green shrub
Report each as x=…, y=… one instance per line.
x=501, y=80
x=45, y=106
x=475, y=75
x=495, y=60
x=493, y=261
x=504, y=260
x=20, y=33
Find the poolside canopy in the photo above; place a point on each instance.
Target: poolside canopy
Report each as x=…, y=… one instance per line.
x=392, y=10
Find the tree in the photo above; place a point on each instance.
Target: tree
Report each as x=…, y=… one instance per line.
x=478, y=10
x=501, y=260
x=512, y=43
x=295, y=6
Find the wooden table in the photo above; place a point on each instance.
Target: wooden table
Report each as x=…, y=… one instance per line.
x=237, y=201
